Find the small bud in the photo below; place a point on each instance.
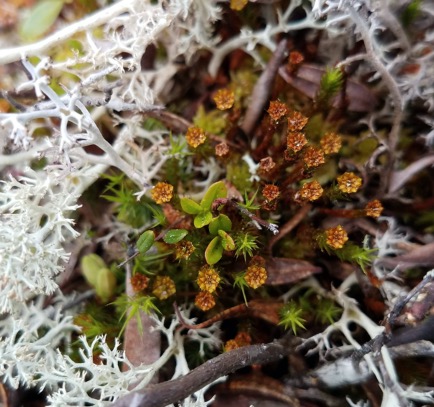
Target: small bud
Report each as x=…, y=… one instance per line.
x=349, y=182
x=313, y=157
x=208, y=279
x=310, y=191
x=221, y=149
x=139, y=282
x=331, y=143
x=162, y=192
x=295, y=141
x=224, y=99
x=195, y=136
x=204, y=301
x=270, y=192
x=266, y=165
x=255, y=276
x=277, y=110
x=163, y=287
x=374, y=208
x=336, y=237
x=184, y=249
x=296, y=121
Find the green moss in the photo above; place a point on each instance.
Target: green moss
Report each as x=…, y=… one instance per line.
x=237, y=172
x=359, y=152
x=214, y=121
x=410, y=13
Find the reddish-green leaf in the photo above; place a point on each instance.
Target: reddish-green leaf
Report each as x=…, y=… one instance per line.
x=227, y=241
x=214, y=251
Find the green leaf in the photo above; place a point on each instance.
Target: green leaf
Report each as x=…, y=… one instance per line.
x=214, y=251
x=106, y=284
x=202, y=219
x=189, y=206
x=40, y=19
x=227, y=241
x=145, y=242
x=221, y=222
x=174, y=235
x=216, y=190
x=91, y=265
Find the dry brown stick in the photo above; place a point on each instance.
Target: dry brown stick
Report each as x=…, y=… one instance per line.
x=160, y=395
x=288, y=226
x=263, y=87
x=254, y=308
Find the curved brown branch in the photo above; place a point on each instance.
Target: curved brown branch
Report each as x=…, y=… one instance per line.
x=265, y=310
x=160, y=395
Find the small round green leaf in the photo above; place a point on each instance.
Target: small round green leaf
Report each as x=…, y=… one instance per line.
x=214, y=251
x=189, y=206
x=175, y=235
x=145, y=242
x=202, y=219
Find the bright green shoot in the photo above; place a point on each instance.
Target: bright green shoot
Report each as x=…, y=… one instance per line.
x=249, y=203
x=290, y=317
x=132, y=306
x=331, y=83
x=327, y=311
x=241, y=283
x=245, y=244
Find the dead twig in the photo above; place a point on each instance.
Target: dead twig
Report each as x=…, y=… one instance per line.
x=261, y=92
x=375, y=344
x=160, y=395
x=265, y=310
